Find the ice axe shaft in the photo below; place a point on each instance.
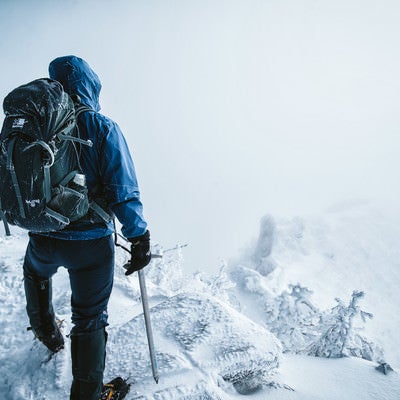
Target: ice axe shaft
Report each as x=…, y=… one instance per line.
x=145, y=304
x=149, y=331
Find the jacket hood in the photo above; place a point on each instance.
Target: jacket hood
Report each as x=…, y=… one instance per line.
x=77, y=78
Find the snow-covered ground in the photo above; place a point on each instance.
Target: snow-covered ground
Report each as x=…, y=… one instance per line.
x=213, y=331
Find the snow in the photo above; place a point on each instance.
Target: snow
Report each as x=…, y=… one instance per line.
x=334, y=379
x=213, y=332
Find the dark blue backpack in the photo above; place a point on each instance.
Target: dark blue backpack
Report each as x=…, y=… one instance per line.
x=42, y=188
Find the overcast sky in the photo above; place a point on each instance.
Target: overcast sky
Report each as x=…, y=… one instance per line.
x=233, y=109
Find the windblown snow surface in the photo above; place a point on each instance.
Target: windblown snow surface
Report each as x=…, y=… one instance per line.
x=232, y=334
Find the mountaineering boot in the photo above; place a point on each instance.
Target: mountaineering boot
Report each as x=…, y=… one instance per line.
x=40, y=312
x=88, y=352
x=117, y=389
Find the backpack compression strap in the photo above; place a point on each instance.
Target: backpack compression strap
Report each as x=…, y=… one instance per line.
x=104, y=215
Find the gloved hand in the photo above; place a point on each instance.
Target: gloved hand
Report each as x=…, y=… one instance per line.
x=140, y=253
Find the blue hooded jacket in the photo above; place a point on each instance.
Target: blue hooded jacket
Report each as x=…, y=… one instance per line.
x=108, y=165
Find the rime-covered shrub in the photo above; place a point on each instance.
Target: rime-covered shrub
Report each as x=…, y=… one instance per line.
x=339, y=336
x=218, y=285
x=293, y=318
x=303, y=328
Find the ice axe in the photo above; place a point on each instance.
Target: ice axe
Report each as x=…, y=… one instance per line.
x=146, y=311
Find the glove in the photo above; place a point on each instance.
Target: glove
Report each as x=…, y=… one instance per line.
x=140, y=253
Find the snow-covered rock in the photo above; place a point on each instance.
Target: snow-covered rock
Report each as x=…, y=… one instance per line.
x=200, y=338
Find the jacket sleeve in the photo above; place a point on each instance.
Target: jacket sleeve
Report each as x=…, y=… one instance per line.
x=120, y=184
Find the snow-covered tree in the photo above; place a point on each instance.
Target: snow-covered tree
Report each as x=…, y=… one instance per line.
x=293, y=318
x=339, y=336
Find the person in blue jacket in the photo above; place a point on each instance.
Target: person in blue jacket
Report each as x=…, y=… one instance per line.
x=86, y=247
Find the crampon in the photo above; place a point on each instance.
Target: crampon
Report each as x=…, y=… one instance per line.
x=116, y=389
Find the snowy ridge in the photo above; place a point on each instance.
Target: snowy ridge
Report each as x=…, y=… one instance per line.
x=213, y=331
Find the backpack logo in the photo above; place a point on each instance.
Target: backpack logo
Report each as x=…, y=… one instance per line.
x=19, y=123
x=32, y=203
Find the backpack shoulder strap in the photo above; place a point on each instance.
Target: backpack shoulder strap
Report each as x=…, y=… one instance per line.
x=78, y=111
x=104, y=215
x=81, y=108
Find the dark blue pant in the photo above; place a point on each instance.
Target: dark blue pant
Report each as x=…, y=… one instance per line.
x=90, y=265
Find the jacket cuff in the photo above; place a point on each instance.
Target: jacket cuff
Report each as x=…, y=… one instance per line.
x=145, y=236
